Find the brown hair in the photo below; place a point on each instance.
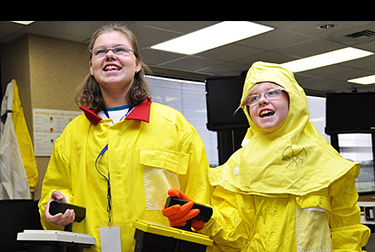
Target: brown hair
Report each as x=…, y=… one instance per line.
x=89, y=93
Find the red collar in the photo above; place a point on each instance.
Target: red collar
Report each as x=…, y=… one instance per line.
x=140, y=112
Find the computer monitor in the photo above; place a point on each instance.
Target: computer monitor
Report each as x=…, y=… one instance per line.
x=223, y=95
x=350, y=112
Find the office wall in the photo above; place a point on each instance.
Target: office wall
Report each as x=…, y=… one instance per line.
x=15, y=62
x=47, y=72
x=56, y=68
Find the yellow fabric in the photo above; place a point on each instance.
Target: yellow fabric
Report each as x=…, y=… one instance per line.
x=24, y=140
x=285, y=191
x=144, y=160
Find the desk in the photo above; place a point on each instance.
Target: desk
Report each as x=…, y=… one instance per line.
x=54, y=240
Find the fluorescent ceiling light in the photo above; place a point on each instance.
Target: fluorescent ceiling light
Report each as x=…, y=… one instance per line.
x=213, y=36
x=23, y=22
x=326, y=59
x=366, y=80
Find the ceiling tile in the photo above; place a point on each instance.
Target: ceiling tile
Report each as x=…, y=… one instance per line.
x=156, y=57
x=309, y=48
x=367, y=46
x=274, y=39
x=148, y=36
x=190, y=63
x=372, y=69
x=272, y=57
x=325, y=85
x=347, y=75
x=360, y=63
x=277, y=24
x=226, y=69
x=328, y=70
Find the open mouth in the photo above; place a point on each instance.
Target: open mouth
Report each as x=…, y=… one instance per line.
x=266, y=113
x=111, y=68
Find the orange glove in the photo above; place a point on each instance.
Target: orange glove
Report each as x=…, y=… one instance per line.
x=179, y=215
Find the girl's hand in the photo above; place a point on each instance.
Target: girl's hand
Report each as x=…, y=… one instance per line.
x=59, y=219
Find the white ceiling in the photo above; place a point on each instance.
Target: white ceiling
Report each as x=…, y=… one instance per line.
x=290, y=40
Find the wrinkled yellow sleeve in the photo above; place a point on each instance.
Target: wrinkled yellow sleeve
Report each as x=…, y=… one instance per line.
x=226, y=227
x=347, y=232
x=57, y=178
x=195, y=183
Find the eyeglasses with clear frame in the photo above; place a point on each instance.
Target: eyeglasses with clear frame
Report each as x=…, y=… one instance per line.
x=271, y=94
x=100, y=52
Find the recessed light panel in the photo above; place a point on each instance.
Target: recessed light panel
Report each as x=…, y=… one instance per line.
x=213, y=36
x=23, y=22
x=364, y=80
x=326, y=59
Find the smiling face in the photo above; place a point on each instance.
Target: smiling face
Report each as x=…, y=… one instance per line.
x=268, y=115
x=114, y=71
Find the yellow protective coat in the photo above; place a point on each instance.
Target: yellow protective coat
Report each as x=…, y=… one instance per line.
x=24, y=141
x=150, y=151
x=286, y=191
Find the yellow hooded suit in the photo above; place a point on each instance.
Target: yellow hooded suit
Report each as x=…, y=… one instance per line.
x=288, y=190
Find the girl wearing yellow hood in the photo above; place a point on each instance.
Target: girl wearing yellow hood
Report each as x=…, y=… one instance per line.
x=287, y=189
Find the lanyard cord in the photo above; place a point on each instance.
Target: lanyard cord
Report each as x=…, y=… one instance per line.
x=109, y=197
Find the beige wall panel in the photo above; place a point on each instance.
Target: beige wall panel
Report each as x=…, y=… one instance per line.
x=57, y=67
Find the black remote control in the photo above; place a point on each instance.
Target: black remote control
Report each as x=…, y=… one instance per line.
x=205, y=211
x=56, y=207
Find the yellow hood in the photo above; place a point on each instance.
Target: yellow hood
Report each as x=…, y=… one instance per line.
x=298, y=113
x=296, y=159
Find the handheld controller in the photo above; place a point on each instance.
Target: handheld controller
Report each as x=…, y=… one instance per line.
x=56, y=207
x=205, y=212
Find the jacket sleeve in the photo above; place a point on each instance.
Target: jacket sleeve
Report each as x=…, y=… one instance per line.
x=195, y=183
x=58, y=178
x=348, y=234
x=227, y=227
x=233, y=213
